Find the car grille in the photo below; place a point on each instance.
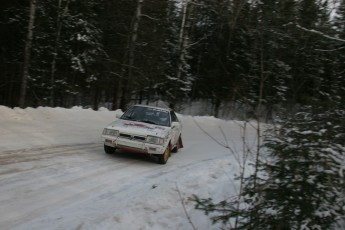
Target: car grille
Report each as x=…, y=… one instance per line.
x=133, y=137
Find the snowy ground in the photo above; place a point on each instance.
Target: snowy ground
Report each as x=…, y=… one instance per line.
x=54, y=173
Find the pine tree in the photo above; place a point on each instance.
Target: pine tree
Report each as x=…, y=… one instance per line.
x=337, y=64
x=299, y=178
x=27, y=53
x=65, y=52
x=222, y=58
x=13, y=23
x=301, y=182
x=178, y=79
x=149, y=68
x=305, y=182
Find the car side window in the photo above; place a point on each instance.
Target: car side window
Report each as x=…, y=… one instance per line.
x=173, y=117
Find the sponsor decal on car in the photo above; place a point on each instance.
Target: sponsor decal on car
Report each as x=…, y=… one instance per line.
x=144, y=126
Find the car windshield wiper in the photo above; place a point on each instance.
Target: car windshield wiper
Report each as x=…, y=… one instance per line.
x=147, y=121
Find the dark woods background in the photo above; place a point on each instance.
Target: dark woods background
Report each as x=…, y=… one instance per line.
x=266, y=53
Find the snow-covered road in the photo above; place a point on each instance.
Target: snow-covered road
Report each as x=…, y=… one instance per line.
x=60, y=185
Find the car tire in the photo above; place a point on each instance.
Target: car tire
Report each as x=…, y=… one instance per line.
x=179, y=145
x=108, y=149
x=163, y=158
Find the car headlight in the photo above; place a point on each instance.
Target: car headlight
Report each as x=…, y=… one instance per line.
x=110, y=132
x=155, y=140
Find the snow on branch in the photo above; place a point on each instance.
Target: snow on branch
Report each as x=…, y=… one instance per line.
x=149, y=17
x=331, y=49
x=319, y=33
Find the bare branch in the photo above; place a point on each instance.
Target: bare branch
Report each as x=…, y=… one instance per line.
x=184, y=207
x=149, y=17
x=214, y=139
x=197, y=42
x=319, y=33
x=332, y=50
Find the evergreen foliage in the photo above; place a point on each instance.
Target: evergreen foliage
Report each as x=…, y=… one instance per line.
x=301, y=182
x=249, y=53
x=299, y=178
x=304, y=186
x=265, y=56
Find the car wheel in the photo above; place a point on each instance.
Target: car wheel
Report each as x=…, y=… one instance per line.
x=163, y=158
x=108, y=149
x=179, y=145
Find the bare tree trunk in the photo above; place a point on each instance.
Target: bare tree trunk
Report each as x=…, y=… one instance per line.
x=258, y=112
x=27, y=53
x=183, y=43
x=116, y=95
x=258, y=109
x=182, y=38
x=57, y=41
x=126, y=87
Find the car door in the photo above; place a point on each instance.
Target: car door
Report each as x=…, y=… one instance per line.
x=176, y=128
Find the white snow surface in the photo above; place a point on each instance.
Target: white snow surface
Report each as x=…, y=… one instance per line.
x=54, y=173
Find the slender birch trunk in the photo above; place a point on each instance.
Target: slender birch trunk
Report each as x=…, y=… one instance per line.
x=27, y=53
x=183, y=44
x=182, y=39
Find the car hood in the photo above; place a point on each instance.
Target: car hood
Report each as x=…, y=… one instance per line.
x=139, y=128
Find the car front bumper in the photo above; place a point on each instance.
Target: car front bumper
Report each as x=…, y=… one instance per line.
x=133, y=146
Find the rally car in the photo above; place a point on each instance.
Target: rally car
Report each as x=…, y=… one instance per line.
x=145, y=129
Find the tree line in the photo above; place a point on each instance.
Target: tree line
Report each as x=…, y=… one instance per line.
x=281, y=58
x=259, y=54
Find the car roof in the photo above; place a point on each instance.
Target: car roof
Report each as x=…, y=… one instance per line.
x=154, y=107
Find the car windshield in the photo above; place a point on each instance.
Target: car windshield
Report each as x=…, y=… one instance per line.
x=149, y=115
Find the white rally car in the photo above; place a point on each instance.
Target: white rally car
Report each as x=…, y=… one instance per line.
x=145, y=129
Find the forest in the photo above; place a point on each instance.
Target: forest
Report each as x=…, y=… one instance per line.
x=236, y=54
x=277, y=61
